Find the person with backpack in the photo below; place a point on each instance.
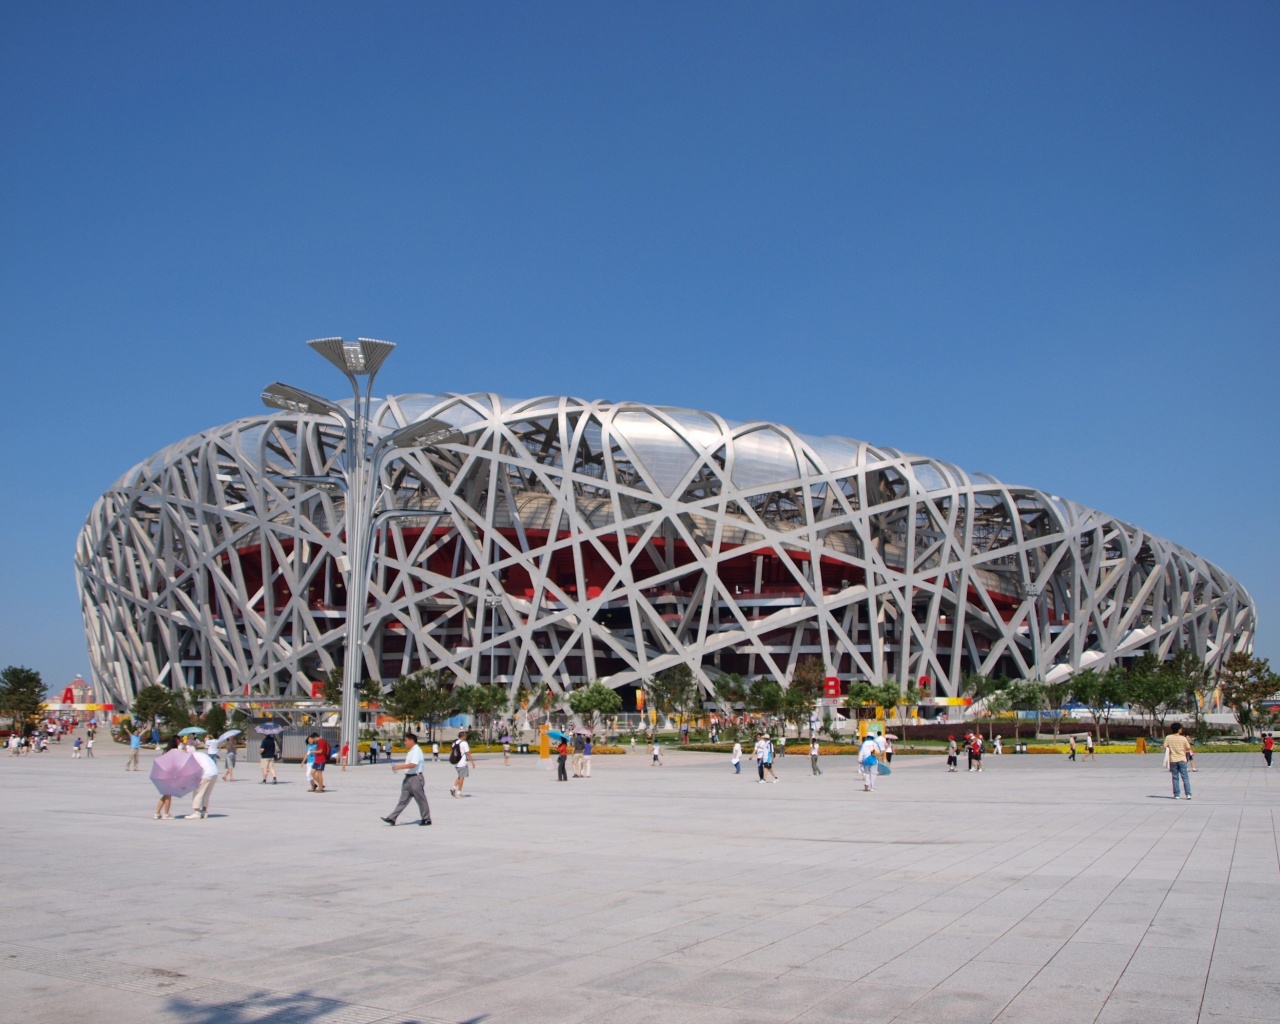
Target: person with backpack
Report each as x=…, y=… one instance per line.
x=461, y=759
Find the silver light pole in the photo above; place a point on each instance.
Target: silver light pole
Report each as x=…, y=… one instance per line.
x=360, y=359
x=359, y=478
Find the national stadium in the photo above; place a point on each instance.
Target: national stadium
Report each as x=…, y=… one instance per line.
x=555, y=541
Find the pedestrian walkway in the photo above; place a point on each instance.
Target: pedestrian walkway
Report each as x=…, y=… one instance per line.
x=1037, y=891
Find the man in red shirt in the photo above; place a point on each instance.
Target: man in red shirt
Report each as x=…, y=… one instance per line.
x=323, y=752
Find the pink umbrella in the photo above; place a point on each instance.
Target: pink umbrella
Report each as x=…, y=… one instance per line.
x=176, y=773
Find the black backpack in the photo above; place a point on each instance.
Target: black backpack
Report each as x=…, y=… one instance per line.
x=455, y=753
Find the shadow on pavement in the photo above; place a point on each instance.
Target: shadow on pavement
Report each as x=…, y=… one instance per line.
x=284, y=1008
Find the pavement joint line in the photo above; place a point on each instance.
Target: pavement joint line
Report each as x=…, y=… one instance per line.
x=1204, y=991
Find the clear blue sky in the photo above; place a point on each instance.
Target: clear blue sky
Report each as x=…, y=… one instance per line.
x=1036, y=240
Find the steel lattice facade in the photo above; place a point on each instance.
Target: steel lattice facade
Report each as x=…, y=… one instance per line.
x=567, y=540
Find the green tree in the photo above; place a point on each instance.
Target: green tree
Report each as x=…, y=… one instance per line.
x=489, y=703
x=1094, y=690
x=437, y=701
x=150, y=705
x=862, y=693
x=797, y=707
x=684, y=693
x=21, y=697
x=1245, y=682
x=331, y=687
x=595, y=700
x=1025, y=695
x=1194, y=682
x=215, y=720
x=764, y=697
x=673, y=691
x=731, y=689
x=998, y=703
x=980, y=688
x=803, y=693
x=408, y=700
x=1055, y=695
x=1153, y=690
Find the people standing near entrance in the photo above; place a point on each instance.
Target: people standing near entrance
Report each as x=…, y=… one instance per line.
x=267, y=753
x=320, y=758
x=868, y=763
x=588, y=746
x=1088, y=747
x=813, y=755
x=200, y=802
x=413, y=786
x=562, y=755
x=461, y=759
x=768, y=758
x=952, y=758
x=1176, y=749
x=1268, y=746
x=135, y=748
x=1071, y=746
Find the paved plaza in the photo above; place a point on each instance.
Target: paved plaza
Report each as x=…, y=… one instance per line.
x=1037, y=891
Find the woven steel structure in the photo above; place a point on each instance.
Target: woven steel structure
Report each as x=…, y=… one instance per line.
x=563, y=540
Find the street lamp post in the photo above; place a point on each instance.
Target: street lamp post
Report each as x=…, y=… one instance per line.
x=356, y=359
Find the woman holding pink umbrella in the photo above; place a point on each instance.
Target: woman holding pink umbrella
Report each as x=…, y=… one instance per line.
x=164, y=806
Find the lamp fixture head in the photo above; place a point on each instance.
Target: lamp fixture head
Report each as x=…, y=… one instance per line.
x=360, y=358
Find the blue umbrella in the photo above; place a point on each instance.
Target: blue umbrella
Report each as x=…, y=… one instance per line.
x=556, y=735
x=192, y=730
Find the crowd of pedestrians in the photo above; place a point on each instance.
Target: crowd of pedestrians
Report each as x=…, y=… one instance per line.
x=874, y=755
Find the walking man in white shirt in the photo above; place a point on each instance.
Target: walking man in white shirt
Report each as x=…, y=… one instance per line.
x=413, y=787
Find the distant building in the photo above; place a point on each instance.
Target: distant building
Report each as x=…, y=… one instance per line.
x=566, y=540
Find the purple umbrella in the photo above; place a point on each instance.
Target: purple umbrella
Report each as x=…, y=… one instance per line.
x=176, y=773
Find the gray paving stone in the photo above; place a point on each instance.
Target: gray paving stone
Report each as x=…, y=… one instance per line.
x=1034, y=892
